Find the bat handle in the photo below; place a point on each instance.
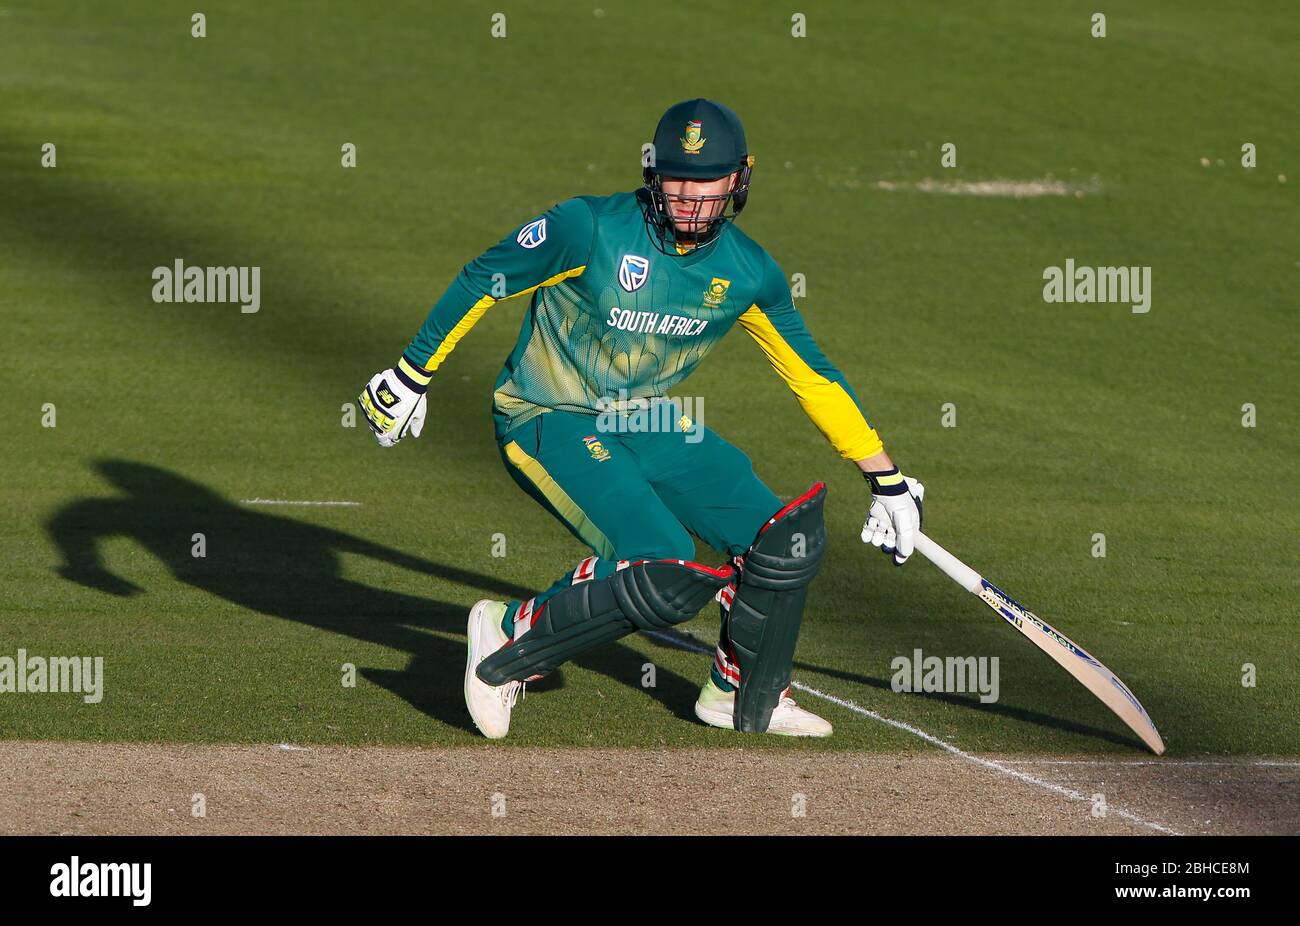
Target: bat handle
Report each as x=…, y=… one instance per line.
x=954, y=568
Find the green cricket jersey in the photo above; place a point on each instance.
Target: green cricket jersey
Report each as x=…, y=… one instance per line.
x=612, y=316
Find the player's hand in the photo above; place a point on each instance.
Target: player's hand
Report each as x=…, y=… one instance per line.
x=895, y=515
x=392, y=408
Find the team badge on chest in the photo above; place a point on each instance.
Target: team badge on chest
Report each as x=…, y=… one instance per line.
x=633, y=272
x=716, y=294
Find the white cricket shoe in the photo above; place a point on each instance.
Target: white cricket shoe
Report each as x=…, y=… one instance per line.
x=488, y=705
x=716, y=708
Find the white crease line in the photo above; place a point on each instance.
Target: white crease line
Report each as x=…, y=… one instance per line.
x=695, y=646
x=285, y=501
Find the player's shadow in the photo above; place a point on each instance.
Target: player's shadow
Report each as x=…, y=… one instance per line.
x=290, y=569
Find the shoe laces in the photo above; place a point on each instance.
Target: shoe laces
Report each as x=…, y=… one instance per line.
x=512, y=692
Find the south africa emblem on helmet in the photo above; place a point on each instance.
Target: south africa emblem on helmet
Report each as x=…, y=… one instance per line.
x=716, y=294
x=633, y=272
x=693, y=141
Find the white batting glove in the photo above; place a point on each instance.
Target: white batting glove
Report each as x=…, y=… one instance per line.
x=392, y=407
x=895, y=515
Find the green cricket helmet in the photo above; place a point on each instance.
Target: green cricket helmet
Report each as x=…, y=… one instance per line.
x=696, y=140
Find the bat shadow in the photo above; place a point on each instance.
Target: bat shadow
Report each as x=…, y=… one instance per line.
x=972, y=702
x=681, y=640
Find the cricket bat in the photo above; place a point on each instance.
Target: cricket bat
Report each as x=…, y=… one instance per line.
x=1072, y=657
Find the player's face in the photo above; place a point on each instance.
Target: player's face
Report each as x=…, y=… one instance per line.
x=693, y=204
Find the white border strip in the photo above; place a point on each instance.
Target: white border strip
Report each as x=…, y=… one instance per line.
x=695, y=646
x=1182, y=763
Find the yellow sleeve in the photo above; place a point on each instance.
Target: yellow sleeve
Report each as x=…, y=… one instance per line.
x=821, y=390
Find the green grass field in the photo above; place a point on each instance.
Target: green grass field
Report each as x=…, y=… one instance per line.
x=1071, y=419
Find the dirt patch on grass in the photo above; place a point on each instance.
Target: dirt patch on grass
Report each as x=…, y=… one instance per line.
x=149, y=789
x=1015, y=189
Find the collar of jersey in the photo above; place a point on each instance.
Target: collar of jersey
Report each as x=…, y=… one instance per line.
x=697, y=254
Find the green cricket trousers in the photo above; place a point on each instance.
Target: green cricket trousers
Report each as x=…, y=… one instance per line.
x=633, y=495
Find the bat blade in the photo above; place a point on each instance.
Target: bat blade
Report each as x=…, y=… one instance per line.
x=1072, y=657
x=1086, y=668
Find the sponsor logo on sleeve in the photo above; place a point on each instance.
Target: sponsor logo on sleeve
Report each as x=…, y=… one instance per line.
x=532, y=234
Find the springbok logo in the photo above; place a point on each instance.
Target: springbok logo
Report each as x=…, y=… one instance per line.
x=633, y=272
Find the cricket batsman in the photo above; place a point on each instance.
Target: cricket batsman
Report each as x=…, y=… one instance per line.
x=627, y=294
